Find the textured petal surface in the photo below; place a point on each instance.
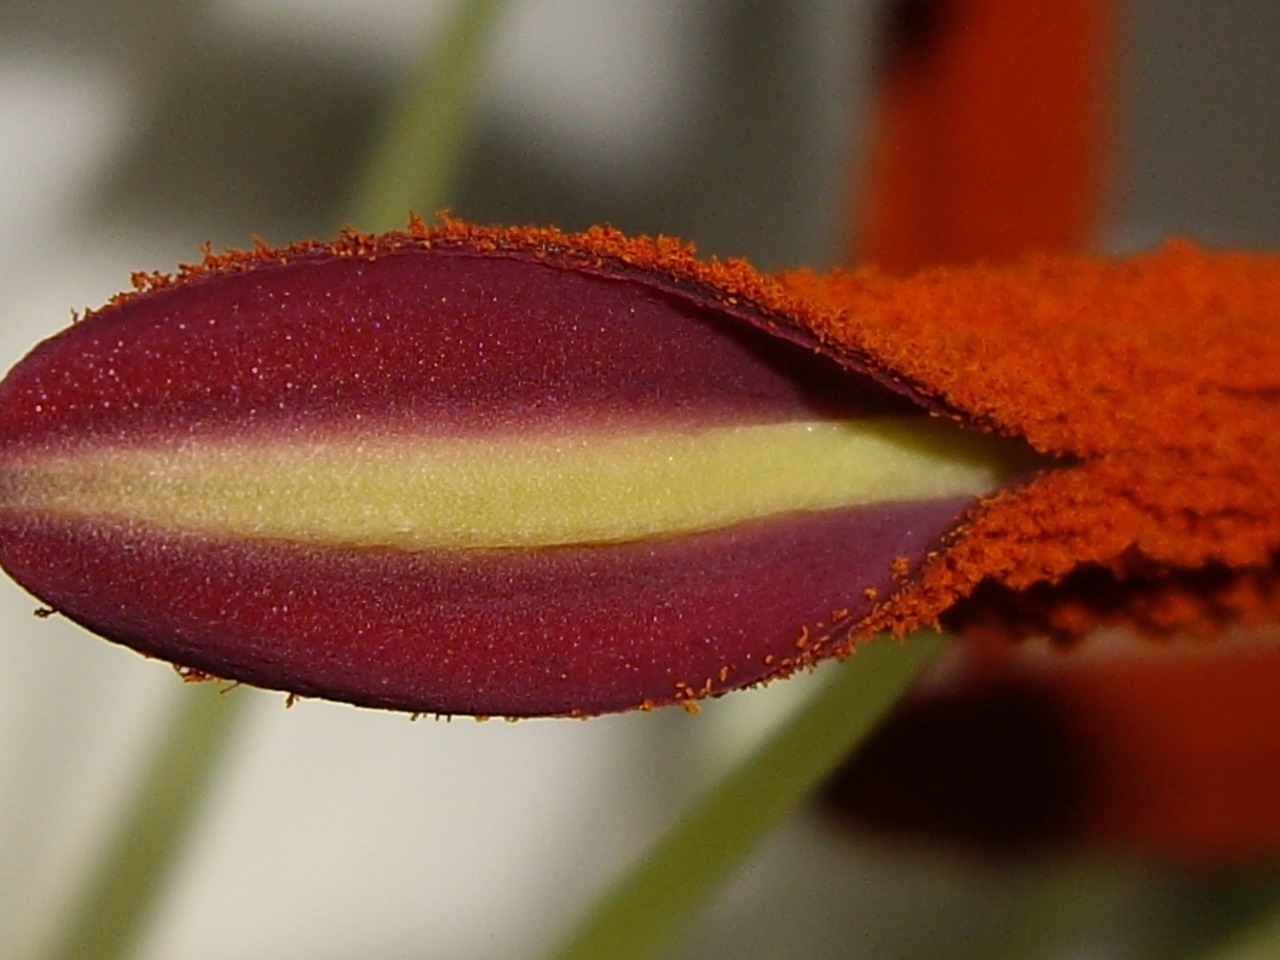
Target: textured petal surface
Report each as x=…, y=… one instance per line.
x=466, y=471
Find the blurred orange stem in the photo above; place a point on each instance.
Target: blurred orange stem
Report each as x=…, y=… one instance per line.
x=990, y=133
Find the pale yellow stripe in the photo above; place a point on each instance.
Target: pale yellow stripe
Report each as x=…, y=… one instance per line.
x=416, y=493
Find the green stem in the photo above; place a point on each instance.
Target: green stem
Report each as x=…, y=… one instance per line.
x=1045, y=917
x=413, y=163
x=129, y=879
x=423, y=146
x=1238, y=919
x=1259, y=942
x=643, y=912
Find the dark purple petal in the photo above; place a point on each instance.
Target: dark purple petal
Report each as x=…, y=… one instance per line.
x=399, y=343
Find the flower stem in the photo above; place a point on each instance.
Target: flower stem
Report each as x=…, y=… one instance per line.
x=414, y=161
x=645, y=909
x=129, y=878
x=1238, y=919
x=1258, y=942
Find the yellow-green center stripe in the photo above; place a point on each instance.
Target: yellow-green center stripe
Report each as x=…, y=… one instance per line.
x=510, y=491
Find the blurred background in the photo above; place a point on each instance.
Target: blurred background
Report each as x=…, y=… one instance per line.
x=131, y=132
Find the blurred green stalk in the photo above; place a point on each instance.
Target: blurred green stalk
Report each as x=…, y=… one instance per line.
x=416, y=158
x=129, y=878
x=1258, y=942
x=648, y=906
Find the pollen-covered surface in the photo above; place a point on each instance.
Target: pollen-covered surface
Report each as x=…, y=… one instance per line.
x=438, y=341
x=1160, y=374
